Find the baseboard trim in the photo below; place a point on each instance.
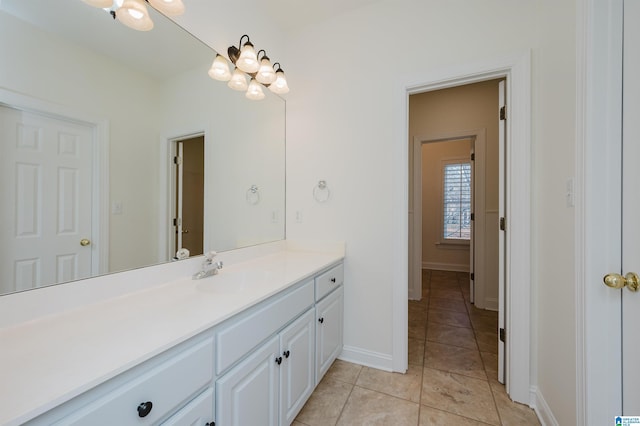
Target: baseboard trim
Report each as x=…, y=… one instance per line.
x=491, y=304
x=453, y=267
x=367, y=358
x=542, y=409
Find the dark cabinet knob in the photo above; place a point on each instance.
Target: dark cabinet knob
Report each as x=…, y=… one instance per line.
x=320, y=320
x=279, y=360
x=211, y=424
x=333, y=280
x=145, y=408
x=286, y=354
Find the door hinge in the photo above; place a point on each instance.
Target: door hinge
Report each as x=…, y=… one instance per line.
x=473, y=216
x=503, y=113
x=472, y=276
x=503, y=335
x=177, y=160
x=177, y=221
x=473, y=156
x=503, y=224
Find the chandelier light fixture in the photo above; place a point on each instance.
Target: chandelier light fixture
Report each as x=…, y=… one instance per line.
x=250, y=66
x=134, y=13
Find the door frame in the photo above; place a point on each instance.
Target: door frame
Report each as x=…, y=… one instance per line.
x=99, y=167
x=478, y=141
x=517, y=71
x=168, y=191
x=597, y=229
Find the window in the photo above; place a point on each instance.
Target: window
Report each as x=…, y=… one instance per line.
x=456, y=201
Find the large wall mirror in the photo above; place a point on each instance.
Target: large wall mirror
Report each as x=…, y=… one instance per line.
x=92, y=117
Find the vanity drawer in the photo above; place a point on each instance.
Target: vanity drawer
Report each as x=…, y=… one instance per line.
x=197, y=412
x=328, y=281
x=166, y=386
x=237, y=338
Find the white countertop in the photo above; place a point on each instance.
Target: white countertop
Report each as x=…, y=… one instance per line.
x=48, y=361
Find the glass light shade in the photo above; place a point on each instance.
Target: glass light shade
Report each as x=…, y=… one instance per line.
x=220, y=69
x=266, y=74
x=254, y=92
x=248, y=61
x=134, y=14
x=99, y=3
x=280, y=86
x=238, y=81
x=168, y=7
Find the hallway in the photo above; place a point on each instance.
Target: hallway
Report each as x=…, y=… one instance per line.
x=452, y=375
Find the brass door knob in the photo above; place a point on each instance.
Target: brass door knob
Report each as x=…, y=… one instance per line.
x=84, y=242
x=631, y=281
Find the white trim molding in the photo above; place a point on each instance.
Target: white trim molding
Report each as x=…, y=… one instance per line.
x=517, y=70
x=542, y=409
x=367, y=358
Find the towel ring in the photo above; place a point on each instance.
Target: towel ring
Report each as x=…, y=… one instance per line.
x=253, y=195
x=321, y=192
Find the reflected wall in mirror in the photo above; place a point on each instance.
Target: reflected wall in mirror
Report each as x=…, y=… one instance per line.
x=92, y=114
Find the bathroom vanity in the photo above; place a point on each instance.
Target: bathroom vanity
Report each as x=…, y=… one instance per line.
x=244, y=347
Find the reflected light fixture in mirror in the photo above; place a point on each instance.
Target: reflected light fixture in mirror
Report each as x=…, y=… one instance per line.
x=220, y=69
x=134, y=13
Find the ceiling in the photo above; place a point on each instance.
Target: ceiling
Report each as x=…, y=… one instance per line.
x=293, y=14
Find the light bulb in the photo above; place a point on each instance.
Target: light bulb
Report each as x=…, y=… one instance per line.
x=220, y=69
x=238, y=80
x=266, y=74
x=134, y=14
x=254, y=92
x=168, y=7
x=280, y=86
x=248, y=62
x=99, y=3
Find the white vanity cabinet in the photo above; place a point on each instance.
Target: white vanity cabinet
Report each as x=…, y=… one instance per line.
x=256, y=367
x=270, y=386
x=147, y=394
x=329, y=291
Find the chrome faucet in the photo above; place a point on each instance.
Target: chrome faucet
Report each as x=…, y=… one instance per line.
x=209, y=267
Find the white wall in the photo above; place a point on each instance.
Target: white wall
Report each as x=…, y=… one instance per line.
x=344, y=126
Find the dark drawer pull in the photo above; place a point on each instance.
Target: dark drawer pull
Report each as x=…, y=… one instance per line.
x=333, y=280
x=320, y=320
x=145, y=408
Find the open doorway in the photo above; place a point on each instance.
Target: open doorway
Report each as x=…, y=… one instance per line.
x=456, y=278
x=188, y=220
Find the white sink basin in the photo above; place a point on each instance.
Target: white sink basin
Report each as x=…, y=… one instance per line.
x=234, y=281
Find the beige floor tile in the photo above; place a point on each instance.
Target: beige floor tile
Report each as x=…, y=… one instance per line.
x=325, y=404
x=451, y=335
x=366, y=407
x=446, y=293
x=490, y=361
x=448, y=304
x=297, y=423
x=416, y=352
x=417, y=312
x=404, y=386
x=343, y=371
x=512, y=413
x=458, y=319
x=484, y=322
x=454, y=359
x=417, y=329
x=432, y=417
x=487, y=341
x=460, y=395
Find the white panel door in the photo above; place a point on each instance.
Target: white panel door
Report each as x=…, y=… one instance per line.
x=46, y=179
x=631, y=207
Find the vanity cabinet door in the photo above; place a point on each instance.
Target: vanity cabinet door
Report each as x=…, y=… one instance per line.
x=248, y=393
x=329, y=326
x=297, y=371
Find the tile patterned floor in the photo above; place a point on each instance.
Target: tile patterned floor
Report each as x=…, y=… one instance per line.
x=452, y=375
